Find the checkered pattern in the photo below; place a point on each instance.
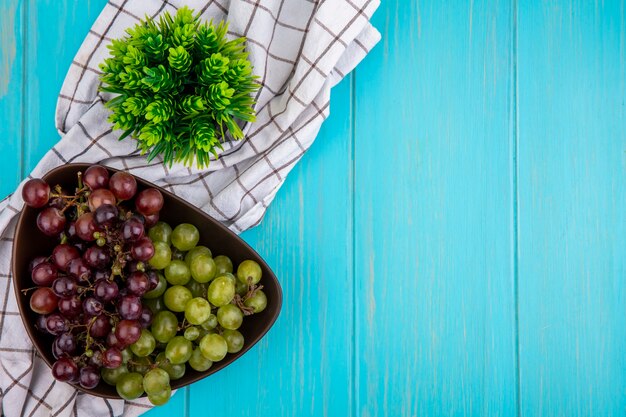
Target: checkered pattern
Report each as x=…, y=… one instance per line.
x=299, y=48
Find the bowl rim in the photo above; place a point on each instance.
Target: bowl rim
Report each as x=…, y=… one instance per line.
x=82, y=166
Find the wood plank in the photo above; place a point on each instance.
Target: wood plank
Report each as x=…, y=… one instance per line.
x=11, y=93
x=303, y=367
x=434, y=272
x=572, y=194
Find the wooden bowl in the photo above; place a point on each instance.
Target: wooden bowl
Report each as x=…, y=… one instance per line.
x=30, y=242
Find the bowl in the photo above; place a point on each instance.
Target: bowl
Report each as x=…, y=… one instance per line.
x=29, y=242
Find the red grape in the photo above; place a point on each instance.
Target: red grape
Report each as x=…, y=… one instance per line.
x=112, y=358
x=66, y=343
x=113, y=342
x=142, y=250
x=57, y=324
x=137, y=283
x=129, y=307
x=35, y=262
x=151, y=219
x=65, y=370
x=123, y=185
x=98, y=275
x=100, y=197
x=64, y=286
x=89, y=377
x=51, y=221
x=96, y=257
x=78, y=269
x=149, y=201
x=57, y=352
x=96, y=177
x=44, y=274
x=70, y=307
x=132, y=230
x=96, y=359
x=40, y=324
x=146, y=317
x=92, y=307
x=100, y=327
x=105, y=290
x=36, y=193
x=128, y=331
x=153, y=280
x=85, y=227
x=106, y=215
x=63, y=254
x=43, y=301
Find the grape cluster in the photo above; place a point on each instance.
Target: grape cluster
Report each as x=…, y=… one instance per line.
x=128, y=299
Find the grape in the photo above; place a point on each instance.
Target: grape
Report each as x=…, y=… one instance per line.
x=65, y=370
x=151, y=219
x=66, y=342
x=198, y=310
x=57, y=324
x=146, y=317
x=213, y=347
x=257, y=302
x=106, y=290
x=164, y=326
x=178, y=255
x=234, y=340
x=142, y=250
x=89, y=377
x=161, y=397
x=161, y=232
x=128, y=331
x=40, y=324
x=185, y=236
x=191, y=333
x=57, y=353
x=132, y=230
x=99, y=275
x=149, y=201
x=96, y=177
x=96, y=257
x=174, y=371
x=51, y=221
x=85, y=227
x=197, y=251
x=155, y=381
x=123, y=185
x=158, y=290
x=162, y=255
x=111, y=358
x=111, y=376
x=100, y=197
x=141, y=364
x=100, y=327
x=210, y=323
x=44, y=274
x=198, y=362
x=96, y=359
x=249, y=272
x=221, y=291
x=43, y=301
x=229, y=317
x=176, y=298
x=70, y=307
x=137, y=283
x=35, y=262
x=241, y=288
x=112, y=341
x=223, y=264
x=153, y=280
x=106, y=215
x=197, y=289
x=177, y=273
x=203, y=268
x=78, y=269
x=127, y=355
x=62, y=255
x=129, y=307
x=154, y=304
x=144, y=345
x=36, y=193
x=130, y=386
x=92, y=306
x=178, y=350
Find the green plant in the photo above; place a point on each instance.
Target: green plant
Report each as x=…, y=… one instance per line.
x=181, y=87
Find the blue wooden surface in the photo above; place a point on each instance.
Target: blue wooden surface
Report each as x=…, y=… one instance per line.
x=453, y=243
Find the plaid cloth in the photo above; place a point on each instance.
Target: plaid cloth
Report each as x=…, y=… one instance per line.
x=299, y=48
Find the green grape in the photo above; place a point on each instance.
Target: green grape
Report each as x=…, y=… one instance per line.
x=160, y=232
x=164, y=326
x=176, y=298
x=160, y=398
x=178, y=350
x=213, y=347
x=197, y=289
x=130, y=386
x=155, y=381
x=127, y=354
x=231, y=277
x=174, y=371
x=197, y=251
x=204, y=332
x=111, y=376
x=145, y=345
x=198, y=362
x=141, y=365
x=159, y=290
x=177, y=255
x=230, y=316
x=197, y=310
x=210, y=323
x=241, y=288
x=221, y=291
x=203, y=268
x=154, y=304
x=177, y=273
x=162, y=255
x=191, y=333
x=234, y=340
x=223, y=264
x=185, y=236
x=249, y=271
x=257, y=302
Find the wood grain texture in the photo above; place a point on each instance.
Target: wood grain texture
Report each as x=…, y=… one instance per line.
x=572, y=194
